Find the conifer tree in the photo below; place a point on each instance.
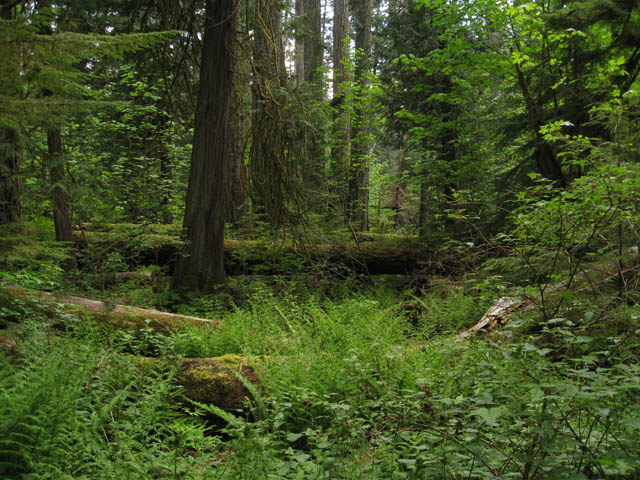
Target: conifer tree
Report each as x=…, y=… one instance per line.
x=203, y=227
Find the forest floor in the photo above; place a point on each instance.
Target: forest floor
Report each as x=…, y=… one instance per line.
x=324, y=376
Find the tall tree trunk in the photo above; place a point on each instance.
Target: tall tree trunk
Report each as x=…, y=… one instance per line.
x=237, y=205
x=360, y=150
x=57, y=177
x=309, y=54
x=10, y=183
x=312, y=42
x=341, y=126
x=300, y=41
x=267, y=169
x=203, y=227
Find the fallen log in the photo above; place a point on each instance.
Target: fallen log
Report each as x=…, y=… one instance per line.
x=497, y=314
x=120, y=316
x=256, y=257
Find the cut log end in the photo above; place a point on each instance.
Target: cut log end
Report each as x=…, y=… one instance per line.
x=215, y=380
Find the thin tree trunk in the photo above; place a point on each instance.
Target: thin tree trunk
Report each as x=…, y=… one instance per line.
x=203, y=226
x=166, y=177
x=423, y=215
x=159, y=151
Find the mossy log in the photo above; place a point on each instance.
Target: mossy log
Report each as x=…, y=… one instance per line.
x=120, y=316
x=212, y=380
x=204, y=380
x=256, y=257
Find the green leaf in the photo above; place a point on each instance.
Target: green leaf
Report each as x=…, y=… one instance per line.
x=292, y=437
x=489, y=415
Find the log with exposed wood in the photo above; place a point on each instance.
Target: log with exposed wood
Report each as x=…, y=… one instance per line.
x=496, y=315
x=250, y=256
x=121, y=316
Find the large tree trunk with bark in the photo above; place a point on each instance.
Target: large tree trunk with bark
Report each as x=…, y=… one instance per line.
x=299, y=42
x=359, y=162
x=237, y=205
x=341, y=148
x=268, y=171
x=312, y=42
x=203, y=227
x=57, y=177
x=10, y=184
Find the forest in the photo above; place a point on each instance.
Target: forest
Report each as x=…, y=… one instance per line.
x=319, y=239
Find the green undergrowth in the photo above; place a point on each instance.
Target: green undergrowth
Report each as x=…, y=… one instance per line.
x=355, y=385
x=30, y=256
x=74, y=406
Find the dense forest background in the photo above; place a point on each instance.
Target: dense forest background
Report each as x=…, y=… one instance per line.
x=291, y=210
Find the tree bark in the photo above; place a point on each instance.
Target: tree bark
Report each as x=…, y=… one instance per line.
x=57, y=177
x=341, y=147
x=360, y=150
x=203, y=227
x=268, y=173
x=312, y=42
x=55, y=160
x=300, y=41
x=237, y=205
x=10, y=183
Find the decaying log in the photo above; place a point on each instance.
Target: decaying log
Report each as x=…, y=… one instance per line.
x=250, y=257
x=496, y=314
x=121, y=316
